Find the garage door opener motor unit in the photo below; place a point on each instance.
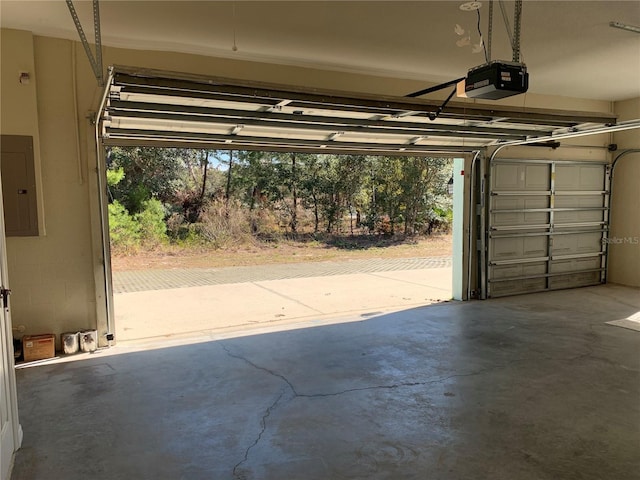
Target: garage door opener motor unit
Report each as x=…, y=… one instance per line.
x=496, y=80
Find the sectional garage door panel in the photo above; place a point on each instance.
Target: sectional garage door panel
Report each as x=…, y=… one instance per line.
x=579, y=178
x=144, y=107
x=547, y=225
x=515, y=177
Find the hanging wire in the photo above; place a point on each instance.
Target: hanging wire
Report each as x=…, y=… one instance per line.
x=486, y=57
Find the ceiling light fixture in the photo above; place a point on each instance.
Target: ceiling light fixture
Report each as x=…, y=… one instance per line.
x=624, y=26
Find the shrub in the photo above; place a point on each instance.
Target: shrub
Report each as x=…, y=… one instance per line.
x=151, y=225
x=220, y=225
x=123, y=229
x=264, y=223
x=114, y=176
x=439, y=220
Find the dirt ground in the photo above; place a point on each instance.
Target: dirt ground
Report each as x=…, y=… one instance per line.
x=285, y=251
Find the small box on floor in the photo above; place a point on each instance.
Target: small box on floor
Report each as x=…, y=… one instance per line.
x=38, y=347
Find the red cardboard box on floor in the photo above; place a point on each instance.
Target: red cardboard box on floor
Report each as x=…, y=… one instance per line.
x=38, y=347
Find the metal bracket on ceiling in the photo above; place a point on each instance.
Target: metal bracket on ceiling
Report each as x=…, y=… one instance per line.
x=517, y=20
x=96, y=62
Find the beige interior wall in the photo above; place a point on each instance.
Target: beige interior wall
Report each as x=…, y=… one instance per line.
x=55, y=276
x=17, y=57
x=624, y=246
x=51, y=275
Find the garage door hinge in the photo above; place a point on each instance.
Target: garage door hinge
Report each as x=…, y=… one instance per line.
x=4, y=293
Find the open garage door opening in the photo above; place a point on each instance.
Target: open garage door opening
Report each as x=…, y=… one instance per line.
x=250, y=239
x=146, y=108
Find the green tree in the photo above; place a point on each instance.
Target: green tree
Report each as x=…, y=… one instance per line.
x=330, y=194
x=415, y=183
x=388, y=181
x=405, y=191
x=351, y=170
x=175, y=187
x=148, y=173
x=309, y=181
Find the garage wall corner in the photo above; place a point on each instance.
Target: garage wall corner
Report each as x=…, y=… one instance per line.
x=624, y=238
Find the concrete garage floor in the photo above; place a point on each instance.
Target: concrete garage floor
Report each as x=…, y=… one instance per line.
x=528, y=387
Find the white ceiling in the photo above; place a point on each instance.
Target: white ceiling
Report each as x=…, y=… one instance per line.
x=568, y=46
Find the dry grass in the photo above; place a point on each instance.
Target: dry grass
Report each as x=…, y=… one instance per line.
x=286, y=251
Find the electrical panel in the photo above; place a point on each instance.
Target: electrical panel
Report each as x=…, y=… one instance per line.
x=18, y=186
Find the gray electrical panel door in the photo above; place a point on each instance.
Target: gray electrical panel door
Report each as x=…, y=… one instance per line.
x=18, y=185
x=548, y=223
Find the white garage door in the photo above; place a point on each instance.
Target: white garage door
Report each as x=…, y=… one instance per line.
x=547, y=225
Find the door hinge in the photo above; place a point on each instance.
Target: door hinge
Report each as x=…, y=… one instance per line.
x=4, y=293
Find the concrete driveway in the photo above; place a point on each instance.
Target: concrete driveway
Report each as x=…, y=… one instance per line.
x=167, y=303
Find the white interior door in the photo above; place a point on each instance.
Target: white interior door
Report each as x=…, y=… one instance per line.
x=10, y=432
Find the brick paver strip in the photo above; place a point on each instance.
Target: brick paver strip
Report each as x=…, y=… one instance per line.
x=144, y=280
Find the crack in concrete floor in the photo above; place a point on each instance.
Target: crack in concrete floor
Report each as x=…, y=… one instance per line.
x=591, y=343
x=296, y=394
x=263, y=428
